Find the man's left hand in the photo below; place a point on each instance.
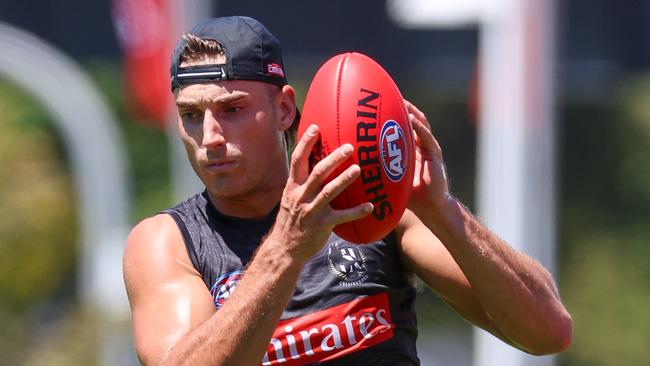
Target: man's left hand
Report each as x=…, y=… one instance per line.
x=430, y=189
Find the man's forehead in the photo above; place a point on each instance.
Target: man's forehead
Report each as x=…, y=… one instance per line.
x=251, y=87
x=208, y=94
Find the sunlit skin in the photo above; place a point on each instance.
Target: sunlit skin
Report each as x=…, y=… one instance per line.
x=233, y=135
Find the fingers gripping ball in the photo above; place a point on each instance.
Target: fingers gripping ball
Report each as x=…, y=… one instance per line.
x=353, y=100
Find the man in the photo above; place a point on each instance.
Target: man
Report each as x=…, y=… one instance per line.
x=249, y=272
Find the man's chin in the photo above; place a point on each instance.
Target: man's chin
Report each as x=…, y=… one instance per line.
x=224, y=188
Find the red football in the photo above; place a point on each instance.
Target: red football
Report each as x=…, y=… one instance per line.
x=353, y=100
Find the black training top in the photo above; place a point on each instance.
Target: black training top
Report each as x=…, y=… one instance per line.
x=353, y=304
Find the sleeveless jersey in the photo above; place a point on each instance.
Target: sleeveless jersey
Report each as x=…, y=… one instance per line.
x=352, y=304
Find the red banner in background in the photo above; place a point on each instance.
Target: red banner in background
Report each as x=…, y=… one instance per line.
x=147, y=34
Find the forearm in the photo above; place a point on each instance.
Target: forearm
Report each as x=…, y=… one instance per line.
x=515, y=291
x=239, y=333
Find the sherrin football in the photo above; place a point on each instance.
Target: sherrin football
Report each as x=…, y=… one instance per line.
x=353, y=100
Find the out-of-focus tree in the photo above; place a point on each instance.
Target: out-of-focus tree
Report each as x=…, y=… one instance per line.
x=37, y=228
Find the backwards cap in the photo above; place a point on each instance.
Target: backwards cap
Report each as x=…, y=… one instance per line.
x=252, y=53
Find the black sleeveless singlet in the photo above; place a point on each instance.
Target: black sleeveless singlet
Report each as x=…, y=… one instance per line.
x=352, y=305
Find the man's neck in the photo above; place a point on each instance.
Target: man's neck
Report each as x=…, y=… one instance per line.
x=253, y=206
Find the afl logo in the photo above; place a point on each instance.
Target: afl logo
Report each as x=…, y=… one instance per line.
x=224, y=286
x=393, y=149
x=347, y=262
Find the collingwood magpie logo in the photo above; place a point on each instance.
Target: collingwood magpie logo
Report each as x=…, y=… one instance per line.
x=347, y=262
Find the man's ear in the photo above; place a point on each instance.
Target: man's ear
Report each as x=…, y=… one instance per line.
x=286, y=107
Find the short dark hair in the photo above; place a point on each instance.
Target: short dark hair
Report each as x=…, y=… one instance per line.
x=197, y=49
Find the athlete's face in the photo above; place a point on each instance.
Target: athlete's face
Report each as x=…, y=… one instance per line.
x=233, y=135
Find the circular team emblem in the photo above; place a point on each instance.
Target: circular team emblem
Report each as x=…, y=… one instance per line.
x=393, y=149
x=347, y=262
x=224, y=286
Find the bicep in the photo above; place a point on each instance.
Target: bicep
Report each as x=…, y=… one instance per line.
x=423, y=252
x=167, y=297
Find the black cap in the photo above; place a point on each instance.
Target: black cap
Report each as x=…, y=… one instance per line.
x=252, y=53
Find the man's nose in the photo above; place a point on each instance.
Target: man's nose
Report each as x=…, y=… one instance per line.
x=212, y=131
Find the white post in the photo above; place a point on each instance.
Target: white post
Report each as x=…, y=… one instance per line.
x=516, y=191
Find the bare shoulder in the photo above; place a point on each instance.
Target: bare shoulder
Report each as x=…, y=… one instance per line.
x=156, y=231
x=154, y=246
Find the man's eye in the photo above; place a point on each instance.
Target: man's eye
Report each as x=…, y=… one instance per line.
x=190, y=115
x=233, y=109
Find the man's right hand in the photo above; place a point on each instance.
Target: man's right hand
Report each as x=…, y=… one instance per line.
x=306, y=219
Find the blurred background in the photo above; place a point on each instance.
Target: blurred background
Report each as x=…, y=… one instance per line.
x=85, y=154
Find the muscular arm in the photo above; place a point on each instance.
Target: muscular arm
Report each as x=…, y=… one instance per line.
x=502, y=290
x=491, y=285
x=174, y=319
